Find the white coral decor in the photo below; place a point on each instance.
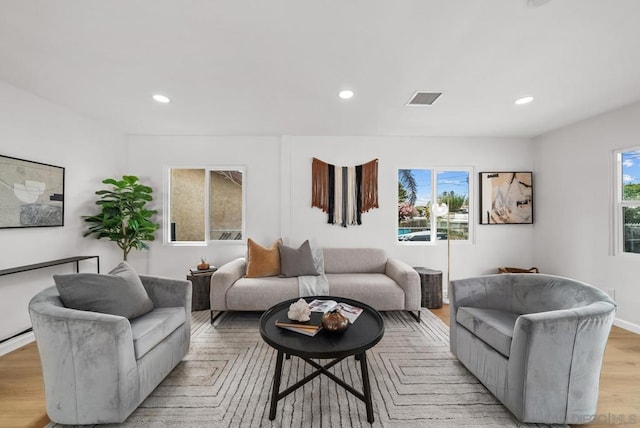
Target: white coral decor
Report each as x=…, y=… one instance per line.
x=299, y=311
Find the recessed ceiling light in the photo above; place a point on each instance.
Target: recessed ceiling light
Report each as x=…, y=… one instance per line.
x=161, y=98
x=346, y=94
x=524, y=100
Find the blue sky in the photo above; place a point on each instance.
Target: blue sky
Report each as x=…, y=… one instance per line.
x=631, y=167
x=458, y=181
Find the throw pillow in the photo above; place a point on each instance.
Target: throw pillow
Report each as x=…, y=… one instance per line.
x=262, y=261
x=297, y=262
x=120, y=292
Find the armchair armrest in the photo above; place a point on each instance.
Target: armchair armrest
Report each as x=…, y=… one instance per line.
x=167, y=292
x=555, y=362
x=408, y=279
x=223, y=279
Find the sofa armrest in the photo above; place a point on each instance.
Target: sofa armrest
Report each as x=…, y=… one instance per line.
x=408, y=279
x=555, y=362
x=93, y=350
x=222, y=279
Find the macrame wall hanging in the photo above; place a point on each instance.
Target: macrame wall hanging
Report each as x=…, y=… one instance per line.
x=344, y=193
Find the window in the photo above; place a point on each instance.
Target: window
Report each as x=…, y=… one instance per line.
x=205, y=204
x=628, y=201
x=418, y=189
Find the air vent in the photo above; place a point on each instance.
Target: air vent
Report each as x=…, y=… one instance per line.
x=423, y=98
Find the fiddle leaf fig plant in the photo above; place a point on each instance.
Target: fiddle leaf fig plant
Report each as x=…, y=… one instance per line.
x=124, y=217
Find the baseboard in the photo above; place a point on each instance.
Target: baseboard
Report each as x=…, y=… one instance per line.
x=16, y=342
x=635, y=328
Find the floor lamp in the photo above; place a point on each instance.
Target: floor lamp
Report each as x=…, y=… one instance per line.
x=439, y=210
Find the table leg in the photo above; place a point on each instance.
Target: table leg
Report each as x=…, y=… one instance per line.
x=366, y=389
x=276, y=386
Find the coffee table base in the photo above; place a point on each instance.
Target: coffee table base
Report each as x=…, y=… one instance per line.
x=365, y=395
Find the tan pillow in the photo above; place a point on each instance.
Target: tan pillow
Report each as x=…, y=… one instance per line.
x=262, y=261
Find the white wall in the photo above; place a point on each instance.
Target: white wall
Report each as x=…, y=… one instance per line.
x=151, y=157
x=494, y=246
x=574, y=180
x=34, y=129
x=279, y=195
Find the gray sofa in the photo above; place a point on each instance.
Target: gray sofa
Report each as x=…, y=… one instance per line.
x=535, y=341
x=98, y=368
x=363, y=274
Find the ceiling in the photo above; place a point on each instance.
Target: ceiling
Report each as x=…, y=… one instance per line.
x=274, y=67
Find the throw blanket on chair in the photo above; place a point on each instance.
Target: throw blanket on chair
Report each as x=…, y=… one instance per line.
x=344, y=193
x=314, y=285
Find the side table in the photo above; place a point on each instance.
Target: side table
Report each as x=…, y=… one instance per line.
x=200, y=300
x=431, y=287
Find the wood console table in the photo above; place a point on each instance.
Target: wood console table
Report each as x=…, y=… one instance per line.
x=76, y=260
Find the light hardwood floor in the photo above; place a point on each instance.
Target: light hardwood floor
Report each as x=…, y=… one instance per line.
x=22, y=391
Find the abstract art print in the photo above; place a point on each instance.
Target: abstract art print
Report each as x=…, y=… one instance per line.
x=31, y=194
x=506, y=197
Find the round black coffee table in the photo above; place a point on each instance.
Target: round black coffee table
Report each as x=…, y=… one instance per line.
x=363, y=334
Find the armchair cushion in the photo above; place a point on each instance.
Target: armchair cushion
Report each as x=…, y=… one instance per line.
x=494, y=327
x=120, y=292
x=152, y=328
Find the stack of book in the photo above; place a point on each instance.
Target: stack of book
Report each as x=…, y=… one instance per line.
x=196, y=271
x=309, y=328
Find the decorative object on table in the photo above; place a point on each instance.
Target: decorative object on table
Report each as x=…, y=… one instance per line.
x=33, y=194
x=344, y=193
x=349, y=311
x=518, y=270
x=299, y=311
x=506, y=197
x=334, y=322
x=430, y=287
x=203, y=265
x=124, y=217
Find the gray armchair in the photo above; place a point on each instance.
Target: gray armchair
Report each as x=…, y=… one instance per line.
x=535, y=341
x=98, y=368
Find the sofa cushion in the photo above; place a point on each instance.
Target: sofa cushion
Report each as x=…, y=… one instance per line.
x=493, y=326
x=120, y=292
x=374, y=289
x=153, y=327
x=296, y=262
x=258, y=294
x=354, y=260
x=262, y=261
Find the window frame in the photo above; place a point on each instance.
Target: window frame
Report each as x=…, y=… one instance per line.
x=434, y=197
x=619, y=204
x=207, y=204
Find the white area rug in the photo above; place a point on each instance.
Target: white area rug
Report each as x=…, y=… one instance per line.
x=225, y=381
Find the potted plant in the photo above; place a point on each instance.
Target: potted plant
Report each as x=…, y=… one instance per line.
x=124, y=218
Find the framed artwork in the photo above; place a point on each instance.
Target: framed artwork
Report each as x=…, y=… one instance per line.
x=31, y=194
x=506, y=197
